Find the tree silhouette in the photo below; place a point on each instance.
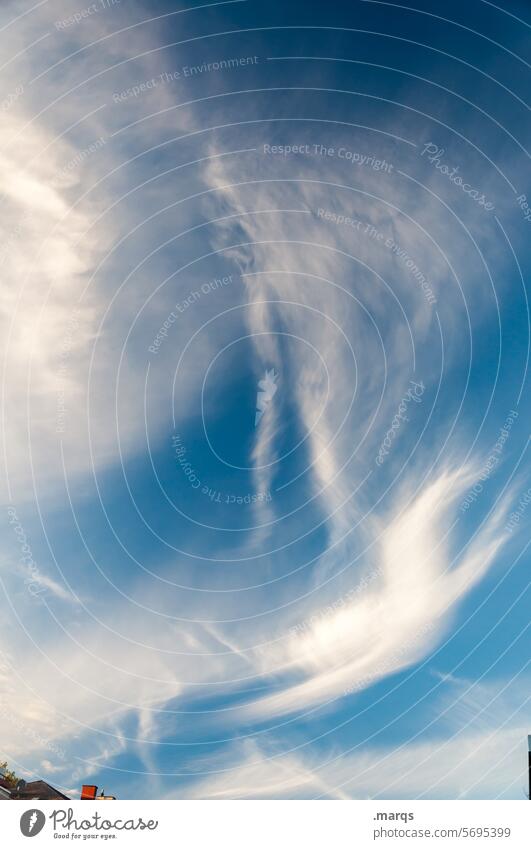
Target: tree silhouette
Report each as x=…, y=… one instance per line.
x=8, y=774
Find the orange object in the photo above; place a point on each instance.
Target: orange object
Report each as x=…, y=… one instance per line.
x=88, y=791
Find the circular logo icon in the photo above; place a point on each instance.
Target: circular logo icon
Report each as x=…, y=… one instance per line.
x=32, y=822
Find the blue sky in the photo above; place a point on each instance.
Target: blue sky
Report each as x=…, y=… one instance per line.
x=315, y=211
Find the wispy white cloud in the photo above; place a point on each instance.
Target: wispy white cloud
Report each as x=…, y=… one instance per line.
x=399, y=617
x=481, y=758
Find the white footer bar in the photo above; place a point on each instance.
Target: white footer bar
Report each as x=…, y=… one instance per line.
x=268, y=825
